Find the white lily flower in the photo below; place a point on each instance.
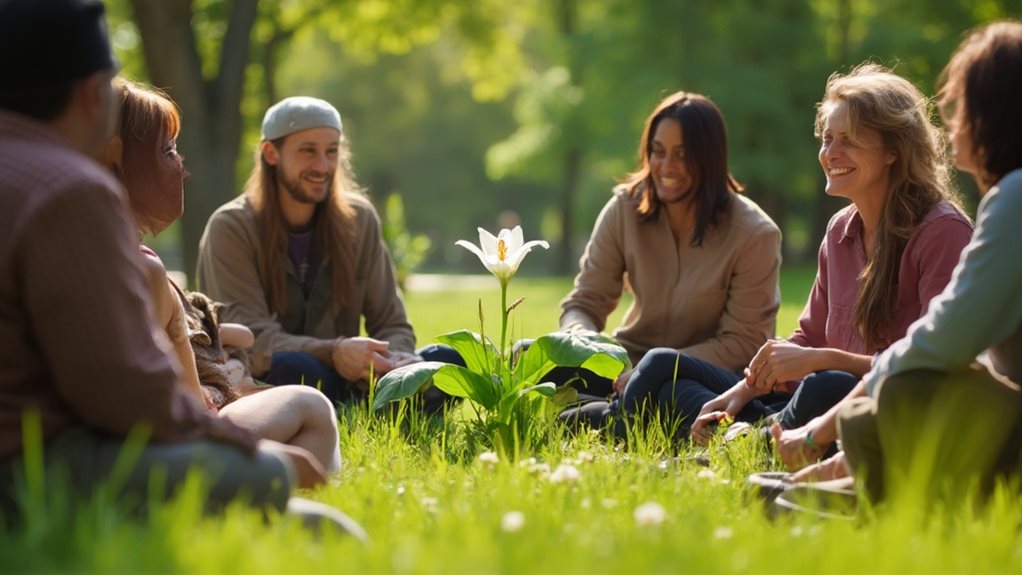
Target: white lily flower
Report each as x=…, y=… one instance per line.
x=503, y=253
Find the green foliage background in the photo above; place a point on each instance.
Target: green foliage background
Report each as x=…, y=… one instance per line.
x=492, y=113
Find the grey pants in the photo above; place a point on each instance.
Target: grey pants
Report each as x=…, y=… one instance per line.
x=934, y=435
x=86, y=459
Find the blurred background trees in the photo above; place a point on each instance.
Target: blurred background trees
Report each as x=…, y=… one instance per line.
x=491, y=113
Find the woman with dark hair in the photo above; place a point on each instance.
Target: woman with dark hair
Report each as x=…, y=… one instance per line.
x=700, y=259
x=944, y=407
x=882, y=260
x=143, y=155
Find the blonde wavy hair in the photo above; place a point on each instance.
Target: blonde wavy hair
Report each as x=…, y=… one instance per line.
x=878, y=99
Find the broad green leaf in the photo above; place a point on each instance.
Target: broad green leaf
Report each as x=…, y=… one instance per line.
x=461, y=382
x=453, y=379
x=594, y=352
x=506, y=405
x=471, y=349
x=546, y=389
x=404, y=382
x=565, y=396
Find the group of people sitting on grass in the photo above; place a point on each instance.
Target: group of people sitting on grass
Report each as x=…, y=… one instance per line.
x=912, y=324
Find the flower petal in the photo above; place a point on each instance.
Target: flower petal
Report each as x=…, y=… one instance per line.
x=517, y=239
x=515, y=258
x=487, y=241
x=474, y=249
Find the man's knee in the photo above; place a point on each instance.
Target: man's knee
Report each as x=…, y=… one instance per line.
x=290, y=362
x=442, y=353
x=857, y=414
x=299, y=368
x=263, y=479
x=910, y=389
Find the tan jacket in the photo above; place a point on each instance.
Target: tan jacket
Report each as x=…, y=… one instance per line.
x=717, y=302
x=228, y=272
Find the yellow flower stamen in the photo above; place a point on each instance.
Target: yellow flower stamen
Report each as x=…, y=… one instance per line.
x=501, y=250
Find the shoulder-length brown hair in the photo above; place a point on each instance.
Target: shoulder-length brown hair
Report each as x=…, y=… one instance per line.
x=879, y=99
x=335, y=232
x=147, y=118
x=705, y=135
x=980, y=91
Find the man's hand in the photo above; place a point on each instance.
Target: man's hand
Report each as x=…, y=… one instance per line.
x=401, y=358
x=353, y=356
x=779, y=361
x=798, y=447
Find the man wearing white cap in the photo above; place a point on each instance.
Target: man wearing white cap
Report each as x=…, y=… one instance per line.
x=299, y=258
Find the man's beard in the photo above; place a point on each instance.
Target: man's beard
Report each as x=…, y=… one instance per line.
x=294, y=189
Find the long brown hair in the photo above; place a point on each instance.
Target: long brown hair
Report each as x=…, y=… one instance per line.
x=335, y=231
x=878, y=99
x=702, y=126
x=980, y=89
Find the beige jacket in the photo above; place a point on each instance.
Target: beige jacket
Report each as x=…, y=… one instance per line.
x=717, y=302
x=228, y=272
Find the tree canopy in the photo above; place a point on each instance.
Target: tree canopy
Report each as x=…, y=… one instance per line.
x=492, y=113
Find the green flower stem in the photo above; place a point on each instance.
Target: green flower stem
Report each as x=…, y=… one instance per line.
x=503, y=318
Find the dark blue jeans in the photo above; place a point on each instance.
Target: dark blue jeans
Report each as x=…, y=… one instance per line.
x=300, y=368
x=677, y=385
x=589, y=385
x=818, y=393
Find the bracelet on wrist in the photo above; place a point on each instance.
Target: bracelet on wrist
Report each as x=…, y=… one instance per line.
x=809, y=441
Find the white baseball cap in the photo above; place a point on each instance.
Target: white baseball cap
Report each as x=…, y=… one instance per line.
x=299, y=113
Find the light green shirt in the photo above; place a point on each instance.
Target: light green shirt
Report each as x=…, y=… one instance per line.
x=980, y=310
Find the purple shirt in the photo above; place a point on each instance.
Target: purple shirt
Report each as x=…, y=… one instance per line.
x=926, y=265
x=299, y=247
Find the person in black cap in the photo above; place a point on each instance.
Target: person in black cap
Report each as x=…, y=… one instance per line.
x=84, y=362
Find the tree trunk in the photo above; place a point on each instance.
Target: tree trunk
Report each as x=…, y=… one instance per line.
x=565, y=261
x=210, y=107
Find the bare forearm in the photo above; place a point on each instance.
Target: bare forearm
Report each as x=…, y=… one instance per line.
x=321, y=349
x=853, y=363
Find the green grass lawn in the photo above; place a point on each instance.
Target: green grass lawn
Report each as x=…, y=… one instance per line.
x=430, y=505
